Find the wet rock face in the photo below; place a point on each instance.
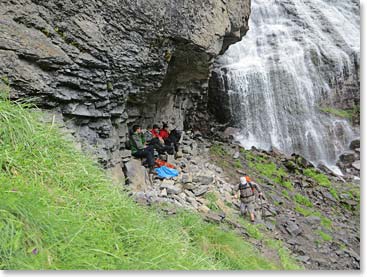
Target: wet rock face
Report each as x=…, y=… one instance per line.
x=108, y=64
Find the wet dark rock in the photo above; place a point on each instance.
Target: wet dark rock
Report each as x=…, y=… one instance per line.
x=347, y=157
x=355, y=144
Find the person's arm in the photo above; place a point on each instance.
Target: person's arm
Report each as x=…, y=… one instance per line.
x=236, y=192
x=256, y=186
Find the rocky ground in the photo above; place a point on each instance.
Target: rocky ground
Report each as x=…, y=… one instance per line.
x=314, y=213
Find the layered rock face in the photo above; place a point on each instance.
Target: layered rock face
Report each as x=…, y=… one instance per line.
x=104, y=65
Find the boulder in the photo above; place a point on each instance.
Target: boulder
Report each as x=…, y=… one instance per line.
x=170, y=186
x=200, y=190
x=203, y=179
x=163, y=193
x=186, y=178
x=213, y=217
x=203, y=209
x=355, y=144
x=313, y=220
x=117, y=175
x=293, y=228
x=136, y=175
x=347, y=157
x=357, y=165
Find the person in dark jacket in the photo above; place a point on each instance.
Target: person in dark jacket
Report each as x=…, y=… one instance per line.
x=139, y=149
x=170, y=138
x=247, y=196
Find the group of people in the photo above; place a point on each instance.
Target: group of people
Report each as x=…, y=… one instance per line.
x=143, y=143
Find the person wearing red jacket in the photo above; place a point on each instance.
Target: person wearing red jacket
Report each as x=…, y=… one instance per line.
x=158, y=143
x=155, y=133
x=164, y=133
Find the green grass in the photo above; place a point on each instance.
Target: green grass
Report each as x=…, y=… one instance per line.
x=324, y=236
x=304, y=211
x=59, y=211
x=252, y=230
x=212, y=198
x=285, y=194
x=303, y=200
x=218, y=150
x=320, y=178
x=338, y=112
x=237, y=164
x=287, y=185
x=286, y=259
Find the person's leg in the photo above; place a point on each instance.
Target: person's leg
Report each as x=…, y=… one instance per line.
x=149, y=154
x=251, y=209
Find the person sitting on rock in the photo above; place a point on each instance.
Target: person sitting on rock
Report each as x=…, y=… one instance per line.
x=158, y=142
x=247, y=196
x=139, y=149
x=170, y=138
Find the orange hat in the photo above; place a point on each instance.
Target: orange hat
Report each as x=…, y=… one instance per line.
x=248, y=179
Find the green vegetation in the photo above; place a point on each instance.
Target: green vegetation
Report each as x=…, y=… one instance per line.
x=237, y=164
x=270, y=170
x=325, y=236
x=303, y=211
x=212, y=198
x=347, y=113
x=287, y=185
x=109, y=86
x=303, y=200
x=252, y=230
x=326, y=223
x=285, y=194
x=59, y=211
x=217, y=149
x=320, y=178
x=287, y=261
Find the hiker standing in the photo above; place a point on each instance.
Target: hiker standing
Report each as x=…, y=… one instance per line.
x=139, y=149
x=247, y=196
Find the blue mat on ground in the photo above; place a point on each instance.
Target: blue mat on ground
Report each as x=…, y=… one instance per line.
x=166, y=172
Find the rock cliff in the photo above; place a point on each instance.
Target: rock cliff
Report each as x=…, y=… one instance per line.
x=104, y=65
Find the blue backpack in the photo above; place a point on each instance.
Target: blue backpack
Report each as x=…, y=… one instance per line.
x=166, y=172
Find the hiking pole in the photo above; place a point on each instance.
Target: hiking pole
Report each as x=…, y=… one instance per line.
x=261, y=206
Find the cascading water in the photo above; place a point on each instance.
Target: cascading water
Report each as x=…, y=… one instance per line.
x=276, y=75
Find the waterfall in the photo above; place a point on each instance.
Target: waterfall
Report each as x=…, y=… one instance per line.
x=275, y=77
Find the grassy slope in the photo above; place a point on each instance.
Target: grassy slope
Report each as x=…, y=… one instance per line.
x=59, y=211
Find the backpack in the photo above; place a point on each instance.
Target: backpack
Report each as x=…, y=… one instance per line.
x=243, y=188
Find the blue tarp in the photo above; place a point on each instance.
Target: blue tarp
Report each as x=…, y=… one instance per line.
x=166, y=172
